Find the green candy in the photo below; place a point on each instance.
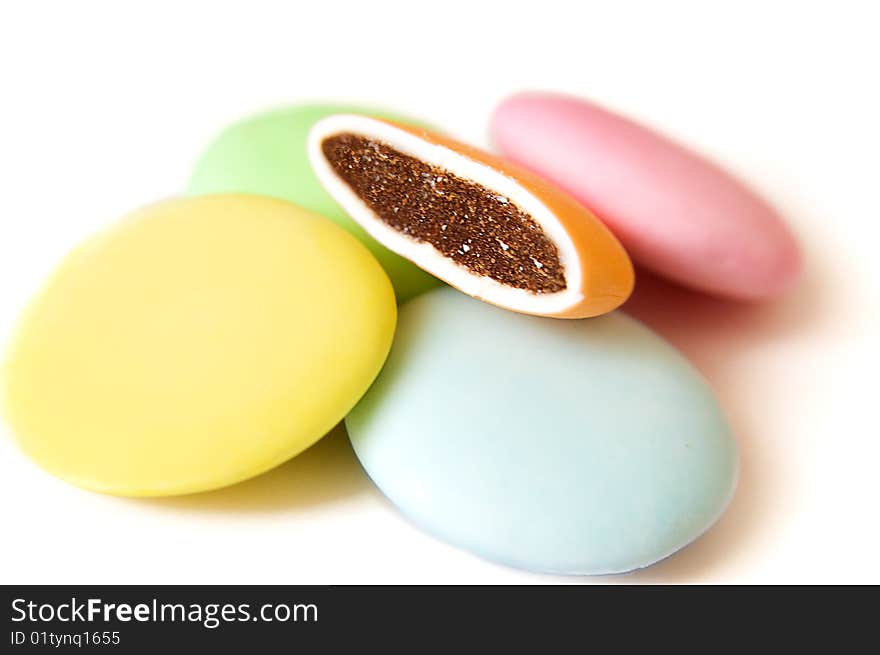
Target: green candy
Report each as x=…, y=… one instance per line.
x=266, y=155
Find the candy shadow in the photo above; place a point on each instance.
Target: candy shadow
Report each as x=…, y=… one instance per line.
x=326, y=473
x=713, y=333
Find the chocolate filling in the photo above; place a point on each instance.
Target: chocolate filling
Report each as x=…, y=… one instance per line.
x=465, y=221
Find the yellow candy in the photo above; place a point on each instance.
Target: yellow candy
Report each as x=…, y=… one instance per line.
x=199, y=342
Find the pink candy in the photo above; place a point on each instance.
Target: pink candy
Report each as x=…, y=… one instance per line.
x=677, y=214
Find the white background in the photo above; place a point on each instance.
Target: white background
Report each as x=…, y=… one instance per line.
x=105, y=107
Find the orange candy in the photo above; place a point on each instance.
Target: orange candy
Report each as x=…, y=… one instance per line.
x=484, y=225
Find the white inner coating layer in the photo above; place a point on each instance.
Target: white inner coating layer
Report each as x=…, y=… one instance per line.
x=425, y=254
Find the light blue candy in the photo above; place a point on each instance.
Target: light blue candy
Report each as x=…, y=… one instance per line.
x=576, y=447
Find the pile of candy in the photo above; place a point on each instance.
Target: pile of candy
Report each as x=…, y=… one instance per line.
x=206, y=339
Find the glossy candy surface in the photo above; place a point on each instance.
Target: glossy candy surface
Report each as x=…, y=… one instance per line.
x=266, y=154
x=577, y=447
x=676, y=213
x=196, y=343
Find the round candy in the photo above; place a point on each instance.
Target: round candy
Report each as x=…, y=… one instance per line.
x=575, y=447
x=488, y=228
x=676, y=213
x=197, y=343
x=266, y=154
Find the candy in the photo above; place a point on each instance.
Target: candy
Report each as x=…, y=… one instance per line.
x=577, y=447
x=676, y=213
x=197, y=343
x=488, y=228
x=266, y=154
